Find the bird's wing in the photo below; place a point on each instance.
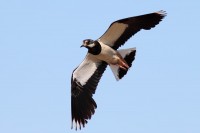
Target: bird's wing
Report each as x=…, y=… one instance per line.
x=84, y=81
x=121, y=30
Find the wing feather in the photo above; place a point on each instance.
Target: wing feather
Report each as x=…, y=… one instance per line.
x=121, y=30
x=84, y=81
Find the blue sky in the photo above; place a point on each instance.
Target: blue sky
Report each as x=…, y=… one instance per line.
x=40, y=46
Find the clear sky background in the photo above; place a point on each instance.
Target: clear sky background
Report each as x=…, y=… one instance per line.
x=40, y=46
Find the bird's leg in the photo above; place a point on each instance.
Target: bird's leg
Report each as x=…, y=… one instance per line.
x=123, y=65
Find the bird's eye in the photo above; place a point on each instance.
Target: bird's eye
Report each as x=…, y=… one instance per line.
x=85, y=41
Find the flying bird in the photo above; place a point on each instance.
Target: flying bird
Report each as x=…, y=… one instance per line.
x=103, y=52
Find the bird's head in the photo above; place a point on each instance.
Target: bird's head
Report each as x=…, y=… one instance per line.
x=88, y=43
x=93, y=47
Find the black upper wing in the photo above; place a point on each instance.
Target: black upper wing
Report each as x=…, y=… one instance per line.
x=120, y=31
x=84, y=81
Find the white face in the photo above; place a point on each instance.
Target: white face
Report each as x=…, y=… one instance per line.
x=91, y=45
x=88, y=43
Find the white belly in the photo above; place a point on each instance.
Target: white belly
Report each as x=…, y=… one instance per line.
x=108, y=54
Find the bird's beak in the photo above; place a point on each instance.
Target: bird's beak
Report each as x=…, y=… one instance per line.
x=83, y=45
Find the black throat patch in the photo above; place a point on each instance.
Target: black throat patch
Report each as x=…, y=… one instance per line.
x=96, y=49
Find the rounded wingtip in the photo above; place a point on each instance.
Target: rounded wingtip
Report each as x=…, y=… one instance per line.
x=162, y=13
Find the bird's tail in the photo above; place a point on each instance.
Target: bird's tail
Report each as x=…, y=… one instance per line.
x=129, y=56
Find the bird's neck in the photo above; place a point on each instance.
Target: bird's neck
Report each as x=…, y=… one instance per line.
x=96, y=49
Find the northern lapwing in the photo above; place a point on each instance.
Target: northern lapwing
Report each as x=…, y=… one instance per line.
x=103, y=52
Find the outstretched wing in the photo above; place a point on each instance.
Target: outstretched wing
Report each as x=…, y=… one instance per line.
x=84, y=81
x=120, y=31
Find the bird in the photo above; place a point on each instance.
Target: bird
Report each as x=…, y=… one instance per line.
x=104, y=52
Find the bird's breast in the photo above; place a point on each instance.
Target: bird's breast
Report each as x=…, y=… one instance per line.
x=107, y=54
